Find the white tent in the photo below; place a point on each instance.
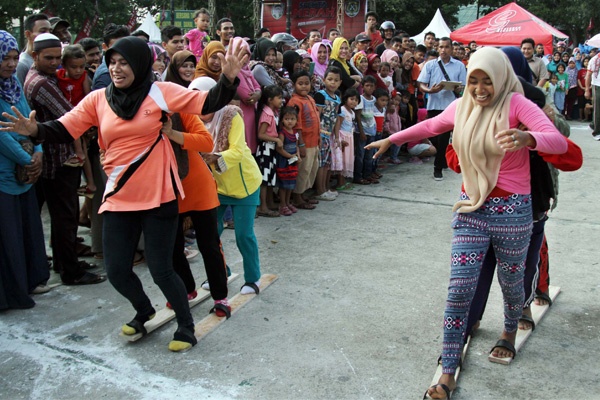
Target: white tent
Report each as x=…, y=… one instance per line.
x=437, y=26
x=149, y=26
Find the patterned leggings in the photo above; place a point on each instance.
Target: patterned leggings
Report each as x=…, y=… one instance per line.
x=506, y=222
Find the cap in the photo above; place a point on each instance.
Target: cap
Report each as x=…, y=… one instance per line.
x=45, y=41
x=54, y=21
x=361, y=37
x=561, y=44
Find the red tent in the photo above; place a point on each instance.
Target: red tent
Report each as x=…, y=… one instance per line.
x=507, y=26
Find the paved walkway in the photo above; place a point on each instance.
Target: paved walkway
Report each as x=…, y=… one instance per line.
x=355, y=314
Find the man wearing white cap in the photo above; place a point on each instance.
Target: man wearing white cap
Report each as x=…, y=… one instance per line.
x=58, y=184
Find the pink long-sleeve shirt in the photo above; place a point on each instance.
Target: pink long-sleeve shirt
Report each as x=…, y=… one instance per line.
x=514, y=170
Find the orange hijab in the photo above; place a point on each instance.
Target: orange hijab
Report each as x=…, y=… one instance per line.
x=202, y=68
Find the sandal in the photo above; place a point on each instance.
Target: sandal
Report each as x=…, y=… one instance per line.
x=374, y=180
x=285, y=211
x=544, y=296
x=528, y=319
x=86, y=279
x=446, y=389
x=292, y=208
x=312, y=201
x=83, y=250
x=305, y=206
x=268, y=214
x=363, y=182
x=507, y=345
x=138, y=258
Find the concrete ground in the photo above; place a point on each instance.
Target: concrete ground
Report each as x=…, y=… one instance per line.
x=356, y=312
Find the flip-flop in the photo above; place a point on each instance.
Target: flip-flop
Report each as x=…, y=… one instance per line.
x=507, y=345
x=363, y=182
x=446, y=389
x=86, y=279
x=268, y=214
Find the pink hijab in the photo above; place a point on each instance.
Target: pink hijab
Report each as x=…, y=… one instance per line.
x=319, y=68
x=388, y=55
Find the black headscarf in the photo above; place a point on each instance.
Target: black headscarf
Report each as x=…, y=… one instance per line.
x=290, y=58
x=126, y=102
x=261, y=48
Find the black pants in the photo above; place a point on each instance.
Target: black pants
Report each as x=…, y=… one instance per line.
x=60, y=194
x=209, y=244
x=440, y=142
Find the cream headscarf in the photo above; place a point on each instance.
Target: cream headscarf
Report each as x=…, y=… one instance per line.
x=475, y=126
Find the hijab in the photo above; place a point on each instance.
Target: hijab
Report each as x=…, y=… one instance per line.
x=178, y=60
x=314, y=54
x=238, y=42
x=126, y=102
x=519, y=63
x=202, y=68
x=290, y=58
x=157, y=51
x=335, y=53
x=388, y=54
x=10, y=89
x=475, y=126
x=261, y=48
x=370, y=71
x=356, y=60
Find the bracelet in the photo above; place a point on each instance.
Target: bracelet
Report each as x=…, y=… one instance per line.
x=301, y=145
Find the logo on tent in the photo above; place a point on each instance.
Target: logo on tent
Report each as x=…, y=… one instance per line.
x=500, y=21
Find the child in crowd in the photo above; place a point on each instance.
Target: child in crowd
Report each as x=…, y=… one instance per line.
x=278, y=66
x=344, y=130
x=268, y=138
x=197, y=39
x=308, y=126
x=550, y=88
x=561, y=87
x=382, y=98
x=385, y=74
x=288, y=159
x=328, y=102
x=365, y=110
x=75, y=84
x=393, y=124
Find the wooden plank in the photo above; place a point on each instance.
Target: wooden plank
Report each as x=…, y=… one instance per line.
x=166, y=314
x=537, y=313
x=438, y=371
x=211, y=321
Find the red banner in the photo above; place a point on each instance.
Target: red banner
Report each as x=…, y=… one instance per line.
x=132, y=23
x=87, y=27
x=315, y=14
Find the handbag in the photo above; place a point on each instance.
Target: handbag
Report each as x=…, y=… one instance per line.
x=20, y=171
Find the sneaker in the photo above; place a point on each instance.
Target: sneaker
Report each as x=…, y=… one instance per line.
x=438, y=176
x=397, y=161
x=336, y=194
x=597, y=137
x=415, y=160
x=326, y=196
x=205, y=285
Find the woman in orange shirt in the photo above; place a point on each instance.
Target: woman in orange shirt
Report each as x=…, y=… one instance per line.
x=142, y=183
x=189, y=137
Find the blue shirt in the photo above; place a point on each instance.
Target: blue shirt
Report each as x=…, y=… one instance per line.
x=11, y=152
x=101, y=77
x=432, y=74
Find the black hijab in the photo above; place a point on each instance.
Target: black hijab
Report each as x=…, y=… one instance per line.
x=261, y=48
x=290, y=58
x=126, y=102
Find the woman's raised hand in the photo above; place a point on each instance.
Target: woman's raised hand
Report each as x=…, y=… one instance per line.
x=19, y=123
x=382, y=145
x=233, y=61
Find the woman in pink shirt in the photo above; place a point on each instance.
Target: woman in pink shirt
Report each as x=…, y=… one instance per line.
x=143, y=182
x=495, y=201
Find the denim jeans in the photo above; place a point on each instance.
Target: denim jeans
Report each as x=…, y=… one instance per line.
x=121, y=233
x=363, y=159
